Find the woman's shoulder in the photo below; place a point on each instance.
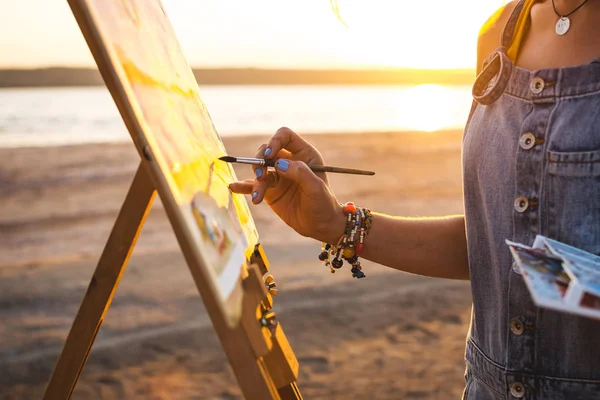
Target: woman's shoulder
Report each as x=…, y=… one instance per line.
x=491, y=32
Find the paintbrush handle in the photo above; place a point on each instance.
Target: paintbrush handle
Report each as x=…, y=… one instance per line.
x=326, y=168
x=339, y=170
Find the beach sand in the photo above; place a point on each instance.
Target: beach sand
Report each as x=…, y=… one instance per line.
x=389, y=336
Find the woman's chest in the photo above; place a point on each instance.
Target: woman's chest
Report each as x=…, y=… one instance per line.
x=537, y=164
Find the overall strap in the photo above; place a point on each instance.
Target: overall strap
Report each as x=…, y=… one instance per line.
x=516, y=28
x=497, y=68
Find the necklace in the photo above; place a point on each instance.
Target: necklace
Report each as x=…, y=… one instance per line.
x=564, y=23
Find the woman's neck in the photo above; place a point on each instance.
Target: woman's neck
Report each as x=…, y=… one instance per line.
x=544, y=48
x=566, y=6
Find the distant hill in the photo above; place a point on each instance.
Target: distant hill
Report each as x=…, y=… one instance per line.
x=247, y=76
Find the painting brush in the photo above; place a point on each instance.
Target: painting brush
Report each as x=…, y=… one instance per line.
x=315, y=168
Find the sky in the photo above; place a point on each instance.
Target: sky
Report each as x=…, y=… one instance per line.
x=432, y=34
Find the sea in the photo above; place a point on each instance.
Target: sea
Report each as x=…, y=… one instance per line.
x=59, y=116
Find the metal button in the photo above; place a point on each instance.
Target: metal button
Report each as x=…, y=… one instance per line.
x=521, y=204
x=537, y=85
x=527, y=141
x=517, y=327
x=517, y=389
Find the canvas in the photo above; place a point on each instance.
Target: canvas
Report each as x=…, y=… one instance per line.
x=159, y=99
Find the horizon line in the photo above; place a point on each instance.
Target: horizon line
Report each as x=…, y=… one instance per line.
x=332, y=68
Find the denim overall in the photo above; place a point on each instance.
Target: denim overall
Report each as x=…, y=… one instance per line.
x=531, y=162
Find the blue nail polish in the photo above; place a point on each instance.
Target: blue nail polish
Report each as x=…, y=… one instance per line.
x=259, y=172
x=268, y=151
x=283, y=165
x=254, y=195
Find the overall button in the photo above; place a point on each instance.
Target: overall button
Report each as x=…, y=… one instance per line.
x=516, y=326
x=521, y=204
x=517, y=389
x=537, y=85
x=527, y=141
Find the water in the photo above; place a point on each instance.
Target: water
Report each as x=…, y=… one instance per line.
x=55, y=116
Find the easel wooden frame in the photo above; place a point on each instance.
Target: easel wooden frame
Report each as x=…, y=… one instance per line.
x=261, y=358
x=258, y=351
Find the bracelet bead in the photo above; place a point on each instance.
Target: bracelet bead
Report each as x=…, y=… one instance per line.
x=348, y=252
x=359, y=248
x=349, y=208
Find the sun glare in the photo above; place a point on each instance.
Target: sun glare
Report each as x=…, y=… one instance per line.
x=425, y=108
x=436, y=34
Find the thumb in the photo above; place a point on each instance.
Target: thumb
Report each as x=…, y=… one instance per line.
x=300, y=172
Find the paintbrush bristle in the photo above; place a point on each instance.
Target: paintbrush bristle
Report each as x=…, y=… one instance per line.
x=228, y=159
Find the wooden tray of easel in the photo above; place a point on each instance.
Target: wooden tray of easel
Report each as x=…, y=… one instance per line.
x=156, y=93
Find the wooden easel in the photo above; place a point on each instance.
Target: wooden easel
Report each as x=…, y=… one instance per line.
x=258, y=351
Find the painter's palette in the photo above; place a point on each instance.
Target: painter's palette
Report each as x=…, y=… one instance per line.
x=559, y=276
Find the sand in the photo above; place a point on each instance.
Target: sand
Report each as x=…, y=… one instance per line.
x=389, y=336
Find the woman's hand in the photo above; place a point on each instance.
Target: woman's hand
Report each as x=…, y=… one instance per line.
x=301, y=198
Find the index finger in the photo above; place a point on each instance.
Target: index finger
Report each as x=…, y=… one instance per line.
x=285, y=138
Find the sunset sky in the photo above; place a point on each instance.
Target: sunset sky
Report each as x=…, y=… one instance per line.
x=432, y=34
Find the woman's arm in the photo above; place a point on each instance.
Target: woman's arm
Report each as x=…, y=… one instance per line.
x=435, y=247
x=429, y=246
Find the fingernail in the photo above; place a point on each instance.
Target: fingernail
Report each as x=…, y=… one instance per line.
x=254, y=195
x=268, y=151
x=283, y=165
x=259, y=172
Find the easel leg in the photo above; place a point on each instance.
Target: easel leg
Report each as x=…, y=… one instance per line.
x=102, y=286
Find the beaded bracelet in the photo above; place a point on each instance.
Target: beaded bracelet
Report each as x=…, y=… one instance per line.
x=351, y=243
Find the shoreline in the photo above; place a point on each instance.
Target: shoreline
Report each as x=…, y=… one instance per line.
x=233, y=136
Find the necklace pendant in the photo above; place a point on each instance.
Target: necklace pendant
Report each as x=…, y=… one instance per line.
x=562, y=25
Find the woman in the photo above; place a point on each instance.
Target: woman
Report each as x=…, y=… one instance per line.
x=531, y=165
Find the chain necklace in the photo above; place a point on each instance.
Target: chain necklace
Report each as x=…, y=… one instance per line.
x=564, y=23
